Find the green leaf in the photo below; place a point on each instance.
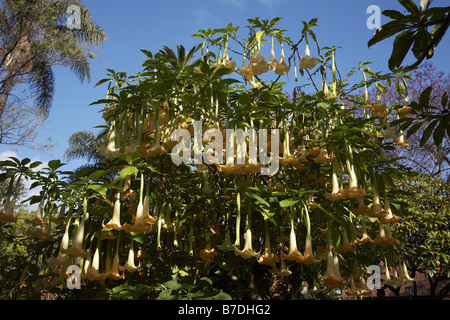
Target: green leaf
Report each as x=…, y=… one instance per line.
x=439, y=133
x=131, y=170
x=386, y=31
x=427, y=132
x=424, y=99
x=288, y=202
x=409, y=5
x=55, y=164
x=393, y=14
x=257, y=198
x=402, y=44
x=101, y=189
x=414, y=128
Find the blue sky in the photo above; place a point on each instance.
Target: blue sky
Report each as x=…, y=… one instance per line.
x=148, y=24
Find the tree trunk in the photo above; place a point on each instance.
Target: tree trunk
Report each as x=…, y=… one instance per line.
x=6, y=90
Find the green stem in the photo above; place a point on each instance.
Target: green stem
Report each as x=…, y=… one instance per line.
x=237, y=243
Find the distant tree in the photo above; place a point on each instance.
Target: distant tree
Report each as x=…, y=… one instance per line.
x=34, y=38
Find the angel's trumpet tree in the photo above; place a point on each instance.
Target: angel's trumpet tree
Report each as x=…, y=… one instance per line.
x=130, y=265
x=76, y=249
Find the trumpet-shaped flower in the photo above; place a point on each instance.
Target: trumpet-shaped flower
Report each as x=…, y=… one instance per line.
x=247, y=252
x=76, y=249
x=389, y=217
x=115, y=221
x=308, y=256
x=7, y=214
x=258, y=63
x=405, y=109
x=365, y=236
x=294, y=254
x=39, y=231
x=346, y=247
x=362, y=208
x=226, y=245
x=332, y=277
x=112, y=269
x=307, y=62
x=139, y=225
x=61, y=258
x=337, y=193
x=93, y=272
x=282, y=68
x=130, y=266
x=401, y=141
x=37, y=220
x=376, y=211
x=384, y=236
x=268, y=258
x=246, y=70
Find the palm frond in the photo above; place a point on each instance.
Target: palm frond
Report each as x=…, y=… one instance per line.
x=42, y=84
x=83, y=145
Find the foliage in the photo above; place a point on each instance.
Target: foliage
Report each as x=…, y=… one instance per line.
x=142, y=227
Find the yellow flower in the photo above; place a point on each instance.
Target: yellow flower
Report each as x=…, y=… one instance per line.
x=268, y=258
x=406, y=108
x=37, y=220
x=401, y=141
x=76, y=249
x=258, y=63
x=39, y=231
x=7, y=214
x=246, y=70
x=281, y=68
x=365, y=237
x=115, y=221
x=346, y=247
x=294, y=254
x=130, y=265
x=207, y=254
x=389, y=217
x=139, y=225
x=308, y=256
x=307, y=62
x=376, y=211
x=248, y=251
x=61, y=258
x=332, y=277
x=362, y=208
x=93, y=272
x=112, y=267
x=322, y=157
x=337, y=193
x=384, y=236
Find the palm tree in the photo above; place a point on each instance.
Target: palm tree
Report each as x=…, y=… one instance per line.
x=34, y=38
x=181, y=59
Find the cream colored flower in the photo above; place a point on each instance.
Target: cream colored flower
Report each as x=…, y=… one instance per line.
x=247, y=252
x=7, y=215
x=130, y=266
x=401, y=141
x=258, y=63
x=282, y=68
x=307, y=62
x=246, y=70
x=115, y=221
x=389, y=217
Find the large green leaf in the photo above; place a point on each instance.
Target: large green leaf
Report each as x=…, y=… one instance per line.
x=402, y=44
